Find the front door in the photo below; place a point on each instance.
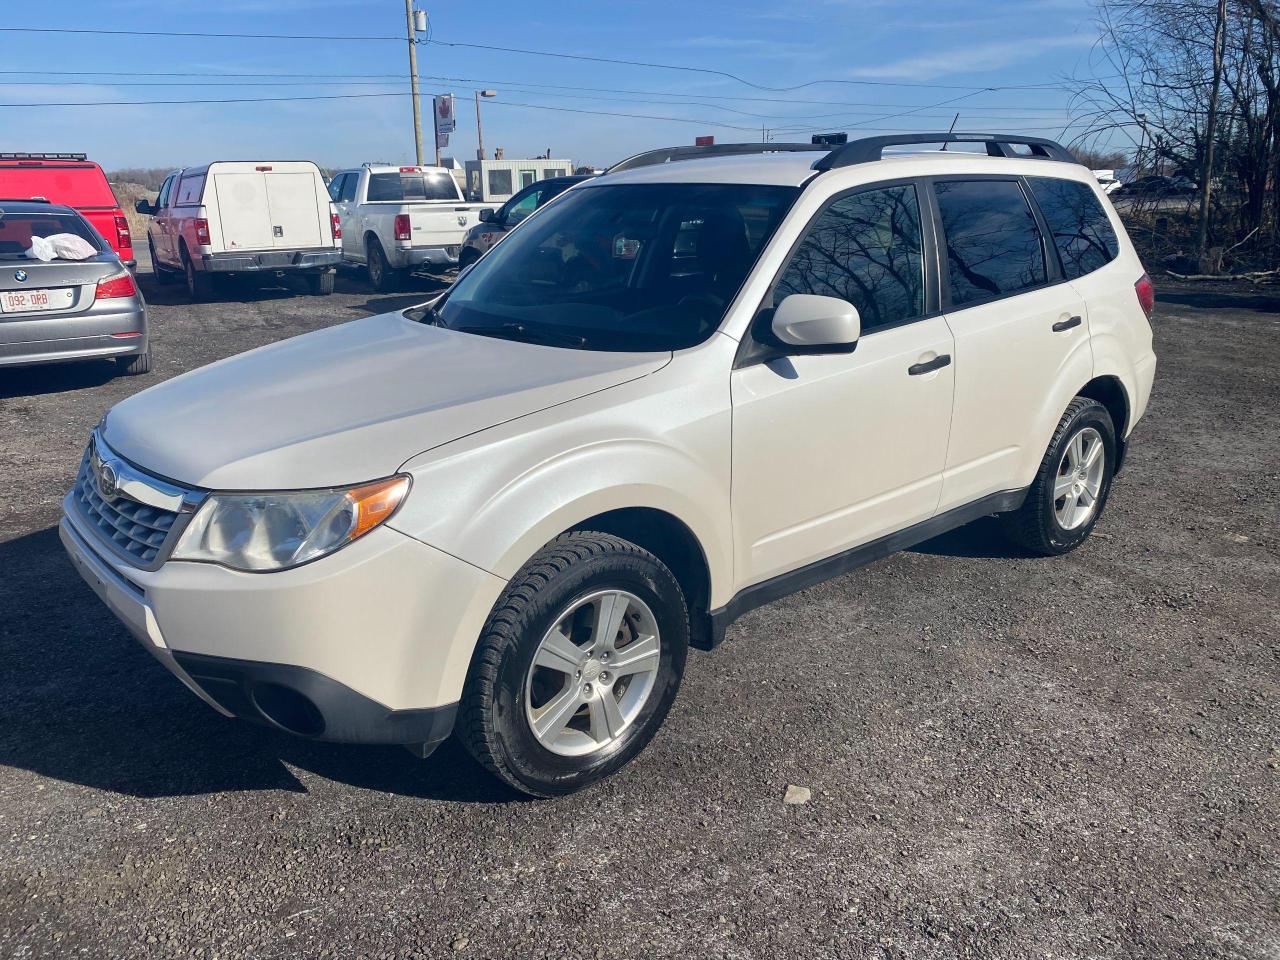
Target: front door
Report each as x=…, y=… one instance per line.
x=832, y=451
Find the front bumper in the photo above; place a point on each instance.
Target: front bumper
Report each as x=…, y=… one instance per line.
x=271, y=261
x=368, y=645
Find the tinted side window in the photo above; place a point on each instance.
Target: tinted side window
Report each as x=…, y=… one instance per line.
x=335, y=186
x=993, y=243
x=1078, y=223
x=349, y=186
x=865, y=248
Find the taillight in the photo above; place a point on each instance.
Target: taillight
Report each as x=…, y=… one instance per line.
x=123, y=240
x=1146, y=291
x=116, y=286
x=402, y=227
x=335, y=224
x=202, y=232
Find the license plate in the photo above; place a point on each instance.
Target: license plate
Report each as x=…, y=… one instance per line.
x=31, y=301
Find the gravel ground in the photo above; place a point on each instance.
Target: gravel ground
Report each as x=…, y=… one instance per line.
x=1008, y=756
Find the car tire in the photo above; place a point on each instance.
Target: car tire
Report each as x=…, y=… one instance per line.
x=468, y=256
x=132, y=366
x=1070, y=489
x=547, y=615
x=199, y=284
x=384, y=278
x=160, y=273
x=321, y=284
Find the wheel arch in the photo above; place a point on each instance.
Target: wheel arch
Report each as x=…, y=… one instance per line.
x=671, y=540
x=1111, y=393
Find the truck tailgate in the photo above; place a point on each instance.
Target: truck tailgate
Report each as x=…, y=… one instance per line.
x=440, y=225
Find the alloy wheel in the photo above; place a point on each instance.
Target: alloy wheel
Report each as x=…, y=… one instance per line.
x=592, y=673
x=1078, y=484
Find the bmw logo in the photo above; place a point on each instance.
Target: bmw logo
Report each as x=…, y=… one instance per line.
x=20, y=276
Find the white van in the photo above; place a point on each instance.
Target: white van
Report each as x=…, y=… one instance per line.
x=244, y=216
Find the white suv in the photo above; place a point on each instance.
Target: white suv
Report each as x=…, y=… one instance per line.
x=705, y=380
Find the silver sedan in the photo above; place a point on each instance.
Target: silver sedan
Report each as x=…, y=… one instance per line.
x=64, y=309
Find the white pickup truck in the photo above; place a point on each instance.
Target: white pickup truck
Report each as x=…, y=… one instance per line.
x=396, y=219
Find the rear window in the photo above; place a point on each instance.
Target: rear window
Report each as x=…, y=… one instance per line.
x=1080, y=227
x=17, y=229
x=408, y=187
x=994, y=247
x=73, y=184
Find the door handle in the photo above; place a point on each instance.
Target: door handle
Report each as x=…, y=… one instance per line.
x=1062, y=325
x=928, y=366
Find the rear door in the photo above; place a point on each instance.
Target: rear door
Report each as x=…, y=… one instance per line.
x=243, y=213
x=294, y=210
x=1021, y=335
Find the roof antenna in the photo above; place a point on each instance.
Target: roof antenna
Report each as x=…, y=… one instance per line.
x=951, y=130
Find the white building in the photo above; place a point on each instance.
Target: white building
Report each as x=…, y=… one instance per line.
x=494, y=181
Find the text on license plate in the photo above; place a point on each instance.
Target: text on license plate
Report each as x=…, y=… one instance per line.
x=17, y=301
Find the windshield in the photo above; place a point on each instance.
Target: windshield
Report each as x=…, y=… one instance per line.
x=17, y=229
x=635, y=267
x=407, y=187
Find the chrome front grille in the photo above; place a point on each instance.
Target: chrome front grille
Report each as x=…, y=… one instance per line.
x=109, y=497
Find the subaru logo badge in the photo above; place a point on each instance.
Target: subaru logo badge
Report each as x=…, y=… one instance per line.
x=20, y=276
x=108, y=480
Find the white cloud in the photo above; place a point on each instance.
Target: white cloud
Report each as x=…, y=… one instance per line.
x=973, y=58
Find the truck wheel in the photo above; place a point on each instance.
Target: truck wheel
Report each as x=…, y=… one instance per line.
x=1070, y=490
x=577, y=666
x=160, y=273
x=199, y=284
x=131, y=366
x=321, y=284
x=381, y=275
x=469, y=256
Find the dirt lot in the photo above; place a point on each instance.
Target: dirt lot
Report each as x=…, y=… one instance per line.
x=1009, y=756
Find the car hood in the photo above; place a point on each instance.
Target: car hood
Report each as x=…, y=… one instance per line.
x=348, y=404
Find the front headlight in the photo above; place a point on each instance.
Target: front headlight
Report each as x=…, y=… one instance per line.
x=274, y=531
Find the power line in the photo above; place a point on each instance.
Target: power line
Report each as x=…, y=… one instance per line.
x=733, y=76
x=202, y=36
x=534, y=53
x=148, y=103
x=372, y=79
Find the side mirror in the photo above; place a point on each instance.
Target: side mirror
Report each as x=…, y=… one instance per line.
x=817, y=324
x=488, y=215
x=143, y=206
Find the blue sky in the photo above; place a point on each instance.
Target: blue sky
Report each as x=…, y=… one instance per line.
x=955, y=45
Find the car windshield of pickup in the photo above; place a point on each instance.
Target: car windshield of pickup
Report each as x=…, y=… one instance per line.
x=635, y=267
x=411, y=187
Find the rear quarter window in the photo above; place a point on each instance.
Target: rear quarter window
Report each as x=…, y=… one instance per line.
x=1080, y=226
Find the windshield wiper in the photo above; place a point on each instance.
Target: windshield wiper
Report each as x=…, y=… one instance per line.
x=518, y=331
x=427, y=313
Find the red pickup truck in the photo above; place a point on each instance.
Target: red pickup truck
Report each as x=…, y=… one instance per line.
x=71, y=179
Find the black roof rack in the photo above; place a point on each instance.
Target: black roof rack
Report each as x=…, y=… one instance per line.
x=870, y=149
x=668, y=154
x=866, y=150
x=43, y=156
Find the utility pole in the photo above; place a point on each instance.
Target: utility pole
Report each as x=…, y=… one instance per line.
x=413, y=82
